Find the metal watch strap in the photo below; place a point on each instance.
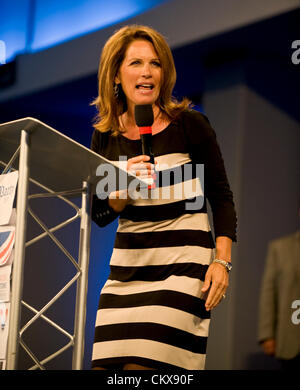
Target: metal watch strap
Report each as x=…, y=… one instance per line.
x=226, y=264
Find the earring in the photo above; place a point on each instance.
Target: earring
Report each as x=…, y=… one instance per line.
x=116, y=91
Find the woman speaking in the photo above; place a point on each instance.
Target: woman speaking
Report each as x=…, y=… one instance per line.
x=166, y=270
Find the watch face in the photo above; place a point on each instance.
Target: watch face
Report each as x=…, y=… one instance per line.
x=229, y=266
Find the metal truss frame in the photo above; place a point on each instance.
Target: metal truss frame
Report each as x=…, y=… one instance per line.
x=75, y=340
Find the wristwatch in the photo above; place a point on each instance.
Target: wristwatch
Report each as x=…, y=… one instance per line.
x=227, y=264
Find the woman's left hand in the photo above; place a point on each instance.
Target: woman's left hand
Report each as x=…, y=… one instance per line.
x=216, y=281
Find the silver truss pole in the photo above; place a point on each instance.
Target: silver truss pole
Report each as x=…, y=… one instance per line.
x=18, y=265
x=82, y=283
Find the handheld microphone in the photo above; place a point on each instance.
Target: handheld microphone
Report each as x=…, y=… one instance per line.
x=144, y=120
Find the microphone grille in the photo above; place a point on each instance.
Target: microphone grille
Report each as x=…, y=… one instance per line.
x=143, y=114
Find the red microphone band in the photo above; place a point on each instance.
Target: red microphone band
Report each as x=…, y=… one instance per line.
x=146, y=130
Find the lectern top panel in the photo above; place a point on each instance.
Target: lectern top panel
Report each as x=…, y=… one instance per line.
x=56, y=161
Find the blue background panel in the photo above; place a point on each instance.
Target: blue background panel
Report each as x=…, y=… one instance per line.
x=32, y=25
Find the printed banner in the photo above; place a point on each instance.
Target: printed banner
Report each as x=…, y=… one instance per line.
x=7, y=240
x=5, y=283
x=13, y=218
x=4, y=323
x=8, y=185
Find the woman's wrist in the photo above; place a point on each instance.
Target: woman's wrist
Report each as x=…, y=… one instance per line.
x=118, y=201
x=115, y=205
x=223, y=248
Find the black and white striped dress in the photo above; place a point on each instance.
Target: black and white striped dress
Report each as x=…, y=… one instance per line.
x=151, y=311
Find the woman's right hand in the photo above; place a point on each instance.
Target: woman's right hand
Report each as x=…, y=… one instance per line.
x=269, y=347
x=138, y=166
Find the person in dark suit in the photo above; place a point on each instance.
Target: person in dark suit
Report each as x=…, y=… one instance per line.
x=279, y=323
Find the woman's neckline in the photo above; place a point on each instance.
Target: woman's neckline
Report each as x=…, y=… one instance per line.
x=153, y=135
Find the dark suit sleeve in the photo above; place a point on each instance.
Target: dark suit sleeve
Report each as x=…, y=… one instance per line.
x=101, y=213
x=205, y=149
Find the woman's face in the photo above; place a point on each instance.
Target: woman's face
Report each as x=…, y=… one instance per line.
x=140, y=74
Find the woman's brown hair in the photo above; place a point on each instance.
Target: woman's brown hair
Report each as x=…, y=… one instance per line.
x=111, y=104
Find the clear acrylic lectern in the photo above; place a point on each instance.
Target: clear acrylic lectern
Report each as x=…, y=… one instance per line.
x=61, y=167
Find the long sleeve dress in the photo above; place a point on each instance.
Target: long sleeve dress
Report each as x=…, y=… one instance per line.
x=151, y=310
